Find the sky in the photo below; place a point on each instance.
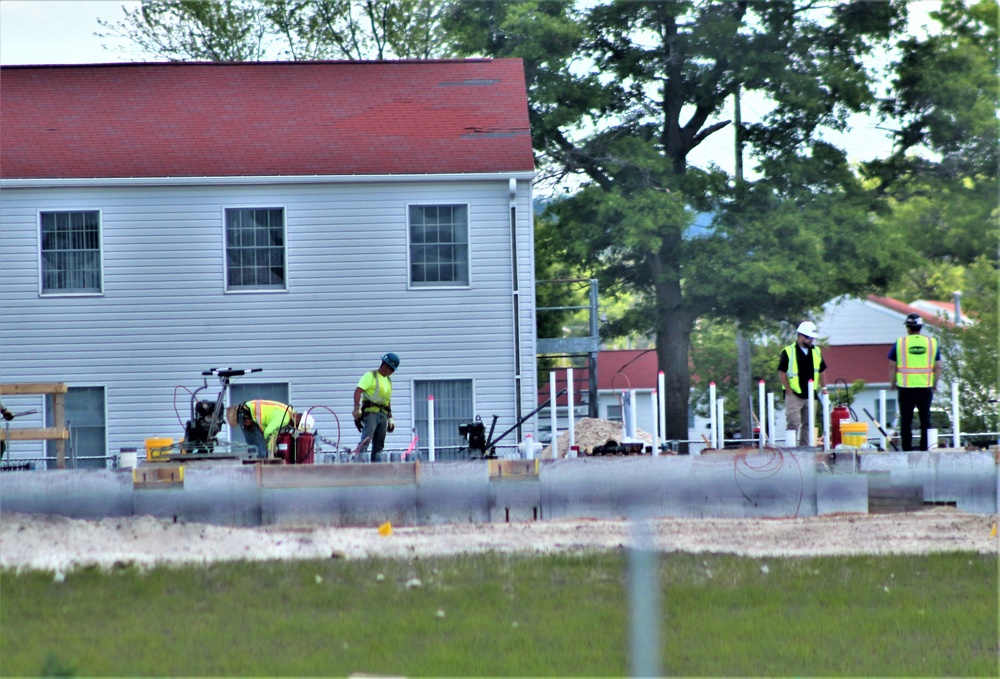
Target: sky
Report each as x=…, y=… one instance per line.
x=63, y=32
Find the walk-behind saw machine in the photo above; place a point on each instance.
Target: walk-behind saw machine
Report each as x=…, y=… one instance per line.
x=201, y=431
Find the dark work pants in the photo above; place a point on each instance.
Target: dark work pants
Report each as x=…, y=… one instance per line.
x=255, y=437
x=373, y=429
x=910, y=398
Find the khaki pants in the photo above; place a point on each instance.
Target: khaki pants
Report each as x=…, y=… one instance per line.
x=797, y=416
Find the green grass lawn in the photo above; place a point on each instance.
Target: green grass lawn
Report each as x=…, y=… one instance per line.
x=507, y=615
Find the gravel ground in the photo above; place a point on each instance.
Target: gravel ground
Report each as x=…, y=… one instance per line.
x=59, y=544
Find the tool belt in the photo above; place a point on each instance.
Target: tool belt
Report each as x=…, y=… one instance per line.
x=369, y=407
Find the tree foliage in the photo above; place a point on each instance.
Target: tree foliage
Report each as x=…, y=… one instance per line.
x=625, y=91
x=969, y=353
x=252, y=30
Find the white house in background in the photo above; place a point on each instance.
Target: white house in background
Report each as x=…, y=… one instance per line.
x=160, y=219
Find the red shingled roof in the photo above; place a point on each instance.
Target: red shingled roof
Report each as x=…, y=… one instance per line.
x=264, y=119
x=906, y=309
x=868, y=362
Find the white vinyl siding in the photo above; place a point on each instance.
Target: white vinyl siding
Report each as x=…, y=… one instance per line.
x=166, y=315
x=70, y=252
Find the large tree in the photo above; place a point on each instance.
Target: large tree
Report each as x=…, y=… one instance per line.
x=252, y=30
x=621, y=93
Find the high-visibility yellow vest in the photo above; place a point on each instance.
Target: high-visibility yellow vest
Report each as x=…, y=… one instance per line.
x=915, y=361
x=793, y=366
x=377, y=390
x=270, y=416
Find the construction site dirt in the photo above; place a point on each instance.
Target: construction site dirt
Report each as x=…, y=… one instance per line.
x=58, y=544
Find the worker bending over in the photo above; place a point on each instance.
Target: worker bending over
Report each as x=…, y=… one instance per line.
x=261, y=421
x=373, y=406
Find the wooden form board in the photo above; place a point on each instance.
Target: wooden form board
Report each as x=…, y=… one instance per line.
x=59, y=433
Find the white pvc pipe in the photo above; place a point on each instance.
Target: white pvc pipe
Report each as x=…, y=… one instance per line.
x=881, y=418
x=656, y=438
x=826, y=419
x=772, y=434
x=661, y=389
x=721, y=410
x=956, y=440
x=571, y=416
x=811, y=394
x=712, y=405
x=430, y=428
x=553, y=416
x=631, y=414
x=762, y=413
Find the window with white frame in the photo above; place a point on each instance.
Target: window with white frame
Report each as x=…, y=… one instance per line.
x=439, y=245
x=87, y=421
x=255, y=249
x=452, y=407
x=71, y=252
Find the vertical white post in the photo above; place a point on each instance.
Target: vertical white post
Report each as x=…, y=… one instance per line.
x=826, y=419
x=571, y=423
x=712, y=405
x=656, y=437
x=956, y=440
x=811, y=395
x=430, y=428
x=772, y=434
x=881, y=418
x=553, y=416
x=633, y=432
x=661, y=390
x=762, y=413
x=720, y=412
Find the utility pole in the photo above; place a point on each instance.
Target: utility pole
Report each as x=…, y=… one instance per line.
x=742, y=343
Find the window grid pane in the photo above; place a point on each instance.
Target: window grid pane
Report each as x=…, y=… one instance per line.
x=255, y=248
x=452, y=407
x=71, y=251
x=439, y=245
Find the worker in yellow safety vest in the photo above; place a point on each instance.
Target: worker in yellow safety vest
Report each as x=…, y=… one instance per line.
x=373, y=406
x=914, y=372
x=797, y=364
x=261, y=420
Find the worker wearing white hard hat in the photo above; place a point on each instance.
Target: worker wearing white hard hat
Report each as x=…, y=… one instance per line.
x=797, y=365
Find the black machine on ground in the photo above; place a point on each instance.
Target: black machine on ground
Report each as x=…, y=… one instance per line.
x=201, y=430
x=485, y=445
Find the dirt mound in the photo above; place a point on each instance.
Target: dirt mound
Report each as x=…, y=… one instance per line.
x=590, y=432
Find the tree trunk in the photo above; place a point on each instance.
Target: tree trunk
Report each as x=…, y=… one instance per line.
x=673, y=346
x=743, y=383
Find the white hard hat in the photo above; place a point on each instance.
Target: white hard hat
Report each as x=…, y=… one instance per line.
x=306, y=423
x=808, y=328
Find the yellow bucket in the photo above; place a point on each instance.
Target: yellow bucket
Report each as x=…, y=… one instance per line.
x=854, y=434
x=154, y=446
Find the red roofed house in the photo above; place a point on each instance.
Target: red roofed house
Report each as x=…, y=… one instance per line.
x=160, y=219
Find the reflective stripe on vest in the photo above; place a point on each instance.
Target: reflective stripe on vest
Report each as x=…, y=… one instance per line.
x=915, y=361
x=793, y=366
x=379, y=398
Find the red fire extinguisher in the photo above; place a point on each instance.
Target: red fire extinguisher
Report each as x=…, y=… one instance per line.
x=838, y=415
x=285, y=448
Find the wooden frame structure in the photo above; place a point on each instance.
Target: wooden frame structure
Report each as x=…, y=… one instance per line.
x=59, y=433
